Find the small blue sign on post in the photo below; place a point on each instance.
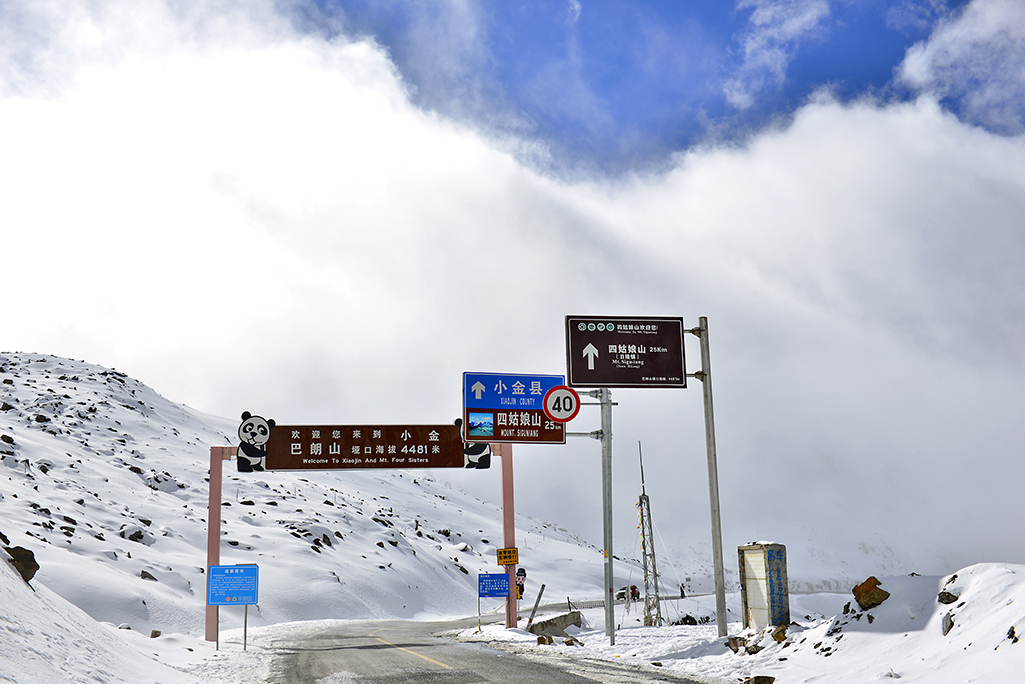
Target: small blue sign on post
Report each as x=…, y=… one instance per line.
x=493, y=585
x=230, y=585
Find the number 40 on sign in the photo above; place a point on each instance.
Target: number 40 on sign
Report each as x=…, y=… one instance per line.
x=562, y=404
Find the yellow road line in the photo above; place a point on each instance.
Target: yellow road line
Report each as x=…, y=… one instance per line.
x=418, y=655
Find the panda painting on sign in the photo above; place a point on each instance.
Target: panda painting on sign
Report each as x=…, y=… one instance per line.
x=254, y=433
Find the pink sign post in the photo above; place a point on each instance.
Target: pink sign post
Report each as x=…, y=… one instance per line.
x=504, y=451
x=213, y=527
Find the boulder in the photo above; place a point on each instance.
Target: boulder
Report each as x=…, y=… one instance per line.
x=869, y=594
x=946, y=598
x=948, y=623
x=557, y=624
x=24, y=562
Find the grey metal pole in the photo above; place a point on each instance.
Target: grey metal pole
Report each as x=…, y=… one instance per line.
x=537, y=602
x=606, y=481
x=713, y=477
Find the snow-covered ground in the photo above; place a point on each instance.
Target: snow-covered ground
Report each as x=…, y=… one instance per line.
x=104, y=481
x=832, y=639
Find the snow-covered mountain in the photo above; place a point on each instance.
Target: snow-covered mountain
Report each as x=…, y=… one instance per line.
x=106, y=482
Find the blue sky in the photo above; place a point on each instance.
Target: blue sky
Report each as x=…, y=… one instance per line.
x=615, y=86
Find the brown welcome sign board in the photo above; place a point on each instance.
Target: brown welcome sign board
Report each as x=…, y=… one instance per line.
x=339, y=447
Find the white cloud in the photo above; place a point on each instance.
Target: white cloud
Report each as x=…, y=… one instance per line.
x=775, y=30
x=268, y=224
x=919, y=15
x=575, y=9
x=978, y=59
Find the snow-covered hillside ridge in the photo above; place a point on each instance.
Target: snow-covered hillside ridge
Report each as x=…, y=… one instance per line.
x=106, y=482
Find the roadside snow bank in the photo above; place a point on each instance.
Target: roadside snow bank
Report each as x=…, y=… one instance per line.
x=831, y=638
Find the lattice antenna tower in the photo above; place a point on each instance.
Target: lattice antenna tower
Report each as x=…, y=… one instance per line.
x=652, y=606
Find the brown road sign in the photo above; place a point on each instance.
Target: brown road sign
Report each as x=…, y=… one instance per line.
x=338, y=447
x=614, y=351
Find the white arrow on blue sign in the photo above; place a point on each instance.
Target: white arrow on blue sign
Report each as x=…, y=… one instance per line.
x=507, y=391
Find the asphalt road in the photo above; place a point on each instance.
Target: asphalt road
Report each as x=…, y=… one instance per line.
x=393, y=652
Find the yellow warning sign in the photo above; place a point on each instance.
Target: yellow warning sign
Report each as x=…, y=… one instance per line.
x=508, y=557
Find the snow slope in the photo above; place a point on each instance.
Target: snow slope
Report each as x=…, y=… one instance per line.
x=43, y=638
x=106, y=482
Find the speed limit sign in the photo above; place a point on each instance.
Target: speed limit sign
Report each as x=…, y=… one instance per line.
x=562, y=404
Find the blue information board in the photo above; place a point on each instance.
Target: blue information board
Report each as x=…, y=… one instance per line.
x=229, y=585
x=509, y=408
x=496, y=585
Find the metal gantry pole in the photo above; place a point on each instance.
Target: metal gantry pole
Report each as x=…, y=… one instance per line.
x=705, y=376
x=605, y=395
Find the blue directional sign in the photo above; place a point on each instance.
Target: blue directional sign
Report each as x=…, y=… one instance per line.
x=229, y=585
x=509, y=408
x=493, y=585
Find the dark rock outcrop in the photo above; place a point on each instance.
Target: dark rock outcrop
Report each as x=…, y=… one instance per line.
x=24, y=562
